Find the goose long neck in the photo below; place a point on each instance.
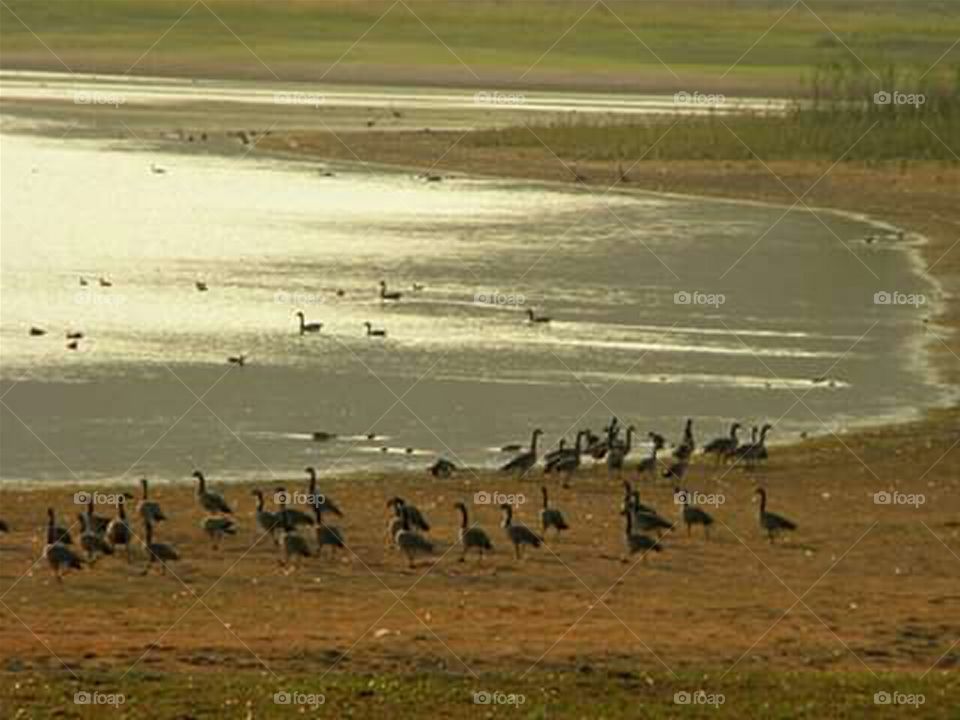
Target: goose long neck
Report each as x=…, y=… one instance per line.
x=629, y=514
x=143, y=487
x=463, y=517
x=763, y=501
x=51, y=533
x=507, y=516
x=543, y=491
x=259, y=502
x=533, y=442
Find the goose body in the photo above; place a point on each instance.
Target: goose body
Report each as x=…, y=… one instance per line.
x=118, y=531
x=216, y=526
x=618, y=452
x=92, y=542
x=162, y=553
x=58, y=555
x=374, y=332
x=410, y=542
x=268, y=522
x=518, y=535
x=320, y=502
x=149, y=510
x=328, y=536
x=638, y=543
x=693, y=515
x=724, y=447
x=389, y=294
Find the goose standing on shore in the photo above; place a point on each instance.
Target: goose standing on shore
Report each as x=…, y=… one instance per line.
x=306, y=327
x=758, y=451
x=569, y=462
x=551, y=517
x=268, y=522
x=58, y=555
x=210, y=501
x=96, y=523
x=646, y=519
x=649, y=463
x=619, y=451
x=471, y=538
x=327, y=535
x=118, y=531
x=415, y=517
x=290, y=517
x=319, y=501
x=693, y=515
x=524, y=462
x=158, y=552
x=293, y=545
x=91, y=541
x=635, y=542
x=410, y=542
x=774, y=525
x=148, y=509
x=519, y=535
x=724, y=447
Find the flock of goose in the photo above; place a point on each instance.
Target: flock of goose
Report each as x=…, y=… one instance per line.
x=408, y=528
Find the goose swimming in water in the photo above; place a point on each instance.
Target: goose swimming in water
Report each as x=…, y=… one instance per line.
x=371, y=332
x=37, y=332
x=201, y=286
x=471, y=538
x=306, y=327
x=58, y=555
x=238, y=360
x=74, y=335
x=535, y=319
x=618, y=452
x=104, y=282
x=525, y=461
x=210, y=501
x=774, y=525
x=518, y=535
x=388, y=295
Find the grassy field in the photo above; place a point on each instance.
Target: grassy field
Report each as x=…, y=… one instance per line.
x=617, y=43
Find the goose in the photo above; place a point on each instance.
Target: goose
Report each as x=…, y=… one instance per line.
x=372, y=332
x=563, y=454
x=96, y=523
x=417, y=287
x=395, y=524
x=758, y=451
x=327, y=535
x=518, y=535
x=693, y=515
x=91, y=541
x=551, y=517
x=723, y=447
x=4, y=527
x=569, y=463
x=83, y=281
x=238, y=360
x=742, y=448
x=677, y=469
x=535, y=319
x=148, y=509
x=158, y=552
x=523, y=462
x=630, y=501
x=105, y=283
x=58, y=555
x=210, y=501
x=158, y=169
x=388, y=295
x=73, y=335
x=636, y=543
x=646, y=518
x=73, y=345
x=320, y=501
x=618, y=452
x=512, y=447
x=293, y=545
x=201, y=286
x=37, y=332
x=772, y=523
x=268, y=522
x=409, y=541
x=415, y=517
x=442, y=468
x=118, y=531
x=306, y=327
x=649, y=463
x=290, y=518
x=322, y=436
x=471, y=538
x=216, y=526
x=554, y=455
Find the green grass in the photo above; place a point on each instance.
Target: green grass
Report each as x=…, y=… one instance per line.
x=693, y=37
x=592, y=693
